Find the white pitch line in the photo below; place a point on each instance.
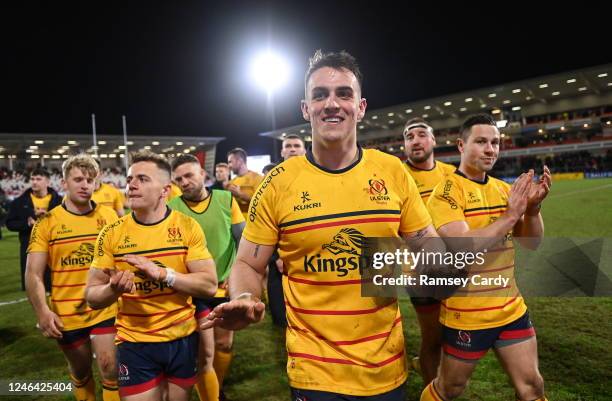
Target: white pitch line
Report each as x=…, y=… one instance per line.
x=581, y=191
x=13, y=302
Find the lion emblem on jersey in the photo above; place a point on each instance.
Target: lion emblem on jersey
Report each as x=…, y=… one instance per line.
x=348, y=240
x=84, y=250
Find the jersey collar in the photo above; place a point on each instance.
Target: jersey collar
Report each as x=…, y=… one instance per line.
x=168, y=211
x=486, y=179
x=311, y=160
x=93, y=207
x=412, y=166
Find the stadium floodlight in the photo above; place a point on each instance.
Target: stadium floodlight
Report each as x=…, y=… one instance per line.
x=501, y=123
x=426, y=107
x=408, y=111
x=269, y=71
x=39, y=142
x=556, y=93
x=468, y=99
x=602, y=75
x=571, y=80
x=543, y=86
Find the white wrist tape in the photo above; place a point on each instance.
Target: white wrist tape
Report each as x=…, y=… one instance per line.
x=170, y=277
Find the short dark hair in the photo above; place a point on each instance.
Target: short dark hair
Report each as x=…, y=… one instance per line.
x=40, y=171
x=475, y=119
x=294, y=136
x=147, y=156
x=224, y=165
x=336, y=60
x=240, y=152
x=184, y=159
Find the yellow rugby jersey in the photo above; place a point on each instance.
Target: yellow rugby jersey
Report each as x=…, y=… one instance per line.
x=155, y=313
x=108, y=195
x=337, y=340
x=426, y=180
x=248, y=184
x=458, y=198
x=41, y=203
x=69, y=240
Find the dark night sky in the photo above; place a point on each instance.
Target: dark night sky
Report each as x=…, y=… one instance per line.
x=179, y=67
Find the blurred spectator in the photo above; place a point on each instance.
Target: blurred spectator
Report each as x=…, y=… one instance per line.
x=27, y=208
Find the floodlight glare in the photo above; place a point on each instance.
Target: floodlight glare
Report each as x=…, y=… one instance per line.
x=269, y=71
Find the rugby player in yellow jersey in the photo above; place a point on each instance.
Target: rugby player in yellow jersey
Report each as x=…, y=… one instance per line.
x=318, y=209
x=245, y=183
x=472, y=204
x=419, y=143
x=152, y=260
x=107, y=195
x=64, y=239
x=218, y=214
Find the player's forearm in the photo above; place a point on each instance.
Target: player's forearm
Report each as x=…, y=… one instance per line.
x=530, y=230
x=35, y=289
x=491, y=235
x=201, y=285
x=100, y=296
x=244, y=197
x=244, y=279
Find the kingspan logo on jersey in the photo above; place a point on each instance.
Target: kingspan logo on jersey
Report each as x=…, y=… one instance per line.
x=147, y=285
x=347, y=250
x=81, y=256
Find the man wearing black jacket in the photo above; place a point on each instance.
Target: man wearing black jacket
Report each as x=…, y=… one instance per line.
x=27, y=208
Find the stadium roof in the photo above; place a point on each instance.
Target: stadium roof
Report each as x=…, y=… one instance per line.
x=57, y=146
x=584, y=88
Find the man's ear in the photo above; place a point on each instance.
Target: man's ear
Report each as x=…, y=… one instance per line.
x=305, y=112
x=363, y=104
x=460, y=144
